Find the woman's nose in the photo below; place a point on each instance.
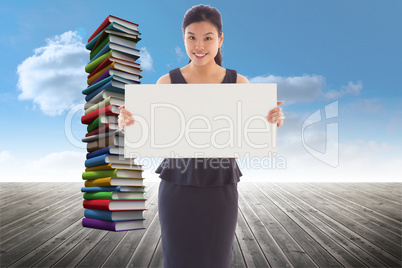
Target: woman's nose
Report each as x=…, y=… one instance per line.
x=199, y=44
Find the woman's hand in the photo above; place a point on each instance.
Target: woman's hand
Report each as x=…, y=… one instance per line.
x=275, y=116
x=125, y=118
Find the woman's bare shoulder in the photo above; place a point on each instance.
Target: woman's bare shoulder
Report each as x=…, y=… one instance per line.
x=242, y=79
x=165, y=79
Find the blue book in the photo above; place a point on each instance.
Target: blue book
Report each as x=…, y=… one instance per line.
x=131, y=52
x=106, y=159
x=95, y=86
x=112, y=189
x=109, y=86
x=114, y=215
x=106, y=150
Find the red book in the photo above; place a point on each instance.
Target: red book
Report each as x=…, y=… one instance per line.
x=111, y=205
x=105, y=128
x=110, y=19
x=110, y=59
x=108, y=110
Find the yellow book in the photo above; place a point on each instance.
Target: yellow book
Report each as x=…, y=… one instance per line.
x=99, y=73
x=111, y=181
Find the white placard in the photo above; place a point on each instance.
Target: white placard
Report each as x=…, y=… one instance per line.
x=200, y=120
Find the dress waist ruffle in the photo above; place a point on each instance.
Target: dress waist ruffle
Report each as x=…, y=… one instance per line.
x=202, y=172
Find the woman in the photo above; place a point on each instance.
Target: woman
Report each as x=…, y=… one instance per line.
x=198, y=197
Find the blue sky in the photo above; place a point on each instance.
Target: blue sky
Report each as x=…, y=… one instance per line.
x=319, y=52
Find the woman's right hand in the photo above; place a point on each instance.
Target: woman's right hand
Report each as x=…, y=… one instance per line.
x=125, y=118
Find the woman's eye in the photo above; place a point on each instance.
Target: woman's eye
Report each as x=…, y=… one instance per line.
x=191, y=38
x=207, y=38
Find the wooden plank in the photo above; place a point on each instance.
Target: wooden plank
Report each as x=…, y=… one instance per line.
x=252, y=254
x=254, y=236
x=12, y=213
x=145, y=250
x=157, y=258
x=353, y=201
x=327, y=224
x=312, y=226
x=23, y=190
x=42, y=250
x=374, y=223
x=57, y=253
x=238, y=257
x=380, y=205
x=23, y=230
x=73, y=257
x=15, y=253
x=393, y=194
x=309, y=245
x=376, y=246
x=122, y=253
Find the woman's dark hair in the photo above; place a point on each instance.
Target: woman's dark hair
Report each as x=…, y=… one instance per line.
x=205, y=13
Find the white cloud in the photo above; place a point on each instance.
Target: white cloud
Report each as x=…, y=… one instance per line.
x=146, y=60
x=6, y=156
x=350, y=89
x=179, y=53
x=54, y=76
x=60, y=166
x=306, y=88
x=295, y=88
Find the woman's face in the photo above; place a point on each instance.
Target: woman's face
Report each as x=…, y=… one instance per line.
x=202, y=42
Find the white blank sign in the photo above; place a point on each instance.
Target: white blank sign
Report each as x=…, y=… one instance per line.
x=200, y=120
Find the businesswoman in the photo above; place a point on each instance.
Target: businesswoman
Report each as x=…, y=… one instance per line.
x=198, y=198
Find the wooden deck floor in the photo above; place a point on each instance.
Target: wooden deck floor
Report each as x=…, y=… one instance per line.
x=279, y=225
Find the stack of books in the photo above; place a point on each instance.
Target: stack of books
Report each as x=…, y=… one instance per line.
x=114, y=188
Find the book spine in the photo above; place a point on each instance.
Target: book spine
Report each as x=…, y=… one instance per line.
x=102, y=129
x=96, y=204
x=99, y=224
x=90, y=175
x=93, y=64
x=94, y=124
x=92, y=77
x=88, y=118
x=107, y=87
x=102, y=151
x=96, y=161
x=104, y=24
x=104, y=50
x=94, y=86
x=98, y=214
x=98, y=195
x=100, y=189
x=98, y=182
x=104, y=75
x=92, y=43
x=103, y=103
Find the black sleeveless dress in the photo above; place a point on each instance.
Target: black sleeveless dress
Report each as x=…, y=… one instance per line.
x=198, y=205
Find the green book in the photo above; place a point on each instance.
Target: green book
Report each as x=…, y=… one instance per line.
x=114, y=195
x=95, y=124
x=93, y=64
x=98, y=48
x=111, y=53
x=119, y=173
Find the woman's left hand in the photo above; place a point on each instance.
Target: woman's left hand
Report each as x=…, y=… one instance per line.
x=275, y=116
